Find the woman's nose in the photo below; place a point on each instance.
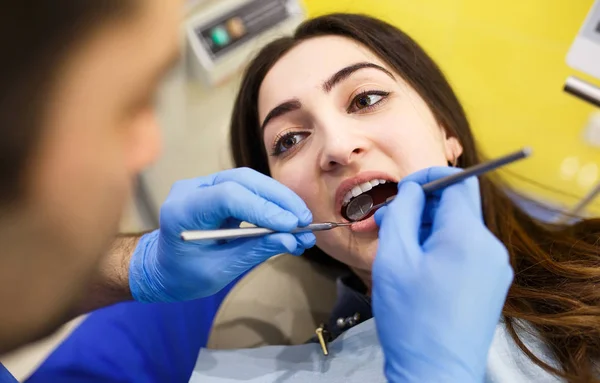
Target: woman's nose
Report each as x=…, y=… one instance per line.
x=341, y=151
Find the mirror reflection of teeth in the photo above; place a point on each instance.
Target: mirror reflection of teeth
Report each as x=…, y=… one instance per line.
x=362, y=188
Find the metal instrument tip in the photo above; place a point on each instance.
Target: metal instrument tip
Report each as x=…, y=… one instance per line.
x=527, y=151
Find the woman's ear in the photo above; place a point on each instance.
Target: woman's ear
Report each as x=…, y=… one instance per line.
x=453, y=150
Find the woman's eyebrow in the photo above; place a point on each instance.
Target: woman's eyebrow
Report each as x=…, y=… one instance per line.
x=344, y=73
x=336, y=78
x=280, y=110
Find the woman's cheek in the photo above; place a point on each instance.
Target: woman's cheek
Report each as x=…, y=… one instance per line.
x=295, y=180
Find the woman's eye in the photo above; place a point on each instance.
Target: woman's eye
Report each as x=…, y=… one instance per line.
x=288, y=141
x=366, y=100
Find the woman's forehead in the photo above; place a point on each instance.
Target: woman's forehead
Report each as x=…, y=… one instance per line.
x=308, y=65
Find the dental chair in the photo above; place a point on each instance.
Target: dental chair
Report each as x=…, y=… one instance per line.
x=281, y=302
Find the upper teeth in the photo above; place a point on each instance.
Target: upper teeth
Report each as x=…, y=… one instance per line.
x=361, y=188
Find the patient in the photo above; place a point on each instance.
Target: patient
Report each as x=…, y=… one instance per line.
x=351, y=105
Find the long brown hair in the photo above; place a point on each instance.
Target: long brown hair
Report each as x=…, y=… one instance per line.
x=556, y=290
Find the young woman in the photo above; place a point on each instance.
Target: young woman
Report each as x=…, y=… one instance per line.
x=352, y=105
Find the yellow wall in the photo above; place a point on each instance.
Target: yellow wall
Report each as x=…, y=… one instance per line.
x=506, y=60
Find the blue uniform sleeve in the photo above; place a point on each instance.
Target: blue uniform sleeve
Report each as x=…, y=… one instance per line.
x=5, y=376
x=134, y=342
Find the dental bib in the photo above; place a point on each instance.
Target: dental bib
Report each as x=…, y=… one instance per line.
x=355, y=356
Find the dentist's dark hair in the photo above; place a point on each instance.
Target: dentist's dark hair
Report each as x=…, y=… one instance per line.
x=36, y=40
x=555, y=294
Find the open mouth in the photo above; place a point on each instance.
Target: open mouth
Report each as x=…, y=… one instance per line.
x=378, y=189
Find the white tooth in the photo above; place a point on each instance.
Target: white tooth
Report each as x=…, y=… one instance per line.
x=365, y=187
x=382, y=181
x=356, y=191
x=374, y=183
x=347, y=198
x=349, y=195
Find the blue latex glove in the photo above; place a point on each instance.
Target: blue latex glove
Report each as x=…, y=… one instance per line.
x=440, y=279
x=164, y=268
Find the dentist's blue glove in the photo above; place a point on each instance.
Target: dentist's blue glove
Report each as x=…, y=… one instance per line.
x=440, y=279
x=164, y=268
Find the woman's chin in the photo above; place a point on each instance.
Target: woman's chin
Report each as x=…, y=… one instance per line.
x=365, y=226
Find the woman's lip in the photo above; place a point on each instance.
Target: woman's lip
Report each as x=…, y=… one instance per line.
x=365, y=225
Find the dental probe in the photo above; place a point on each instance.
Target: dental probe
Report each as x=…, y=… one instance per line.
x=245, y=232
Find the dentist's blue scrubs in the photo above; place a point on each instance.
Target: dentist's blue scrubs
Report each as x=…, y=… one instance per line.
x=132, y=342
x=5, y=376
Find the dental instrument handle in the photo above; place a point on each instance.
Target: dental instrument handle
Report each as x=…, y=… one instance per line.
x=476, y=170
x=247, y=232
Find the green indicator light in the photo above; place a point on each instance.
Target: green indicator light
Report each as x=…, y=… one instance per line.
x=219, y=36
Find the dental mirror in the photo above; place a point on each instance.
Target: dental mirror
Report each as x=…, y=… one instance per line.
x=359, y=207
